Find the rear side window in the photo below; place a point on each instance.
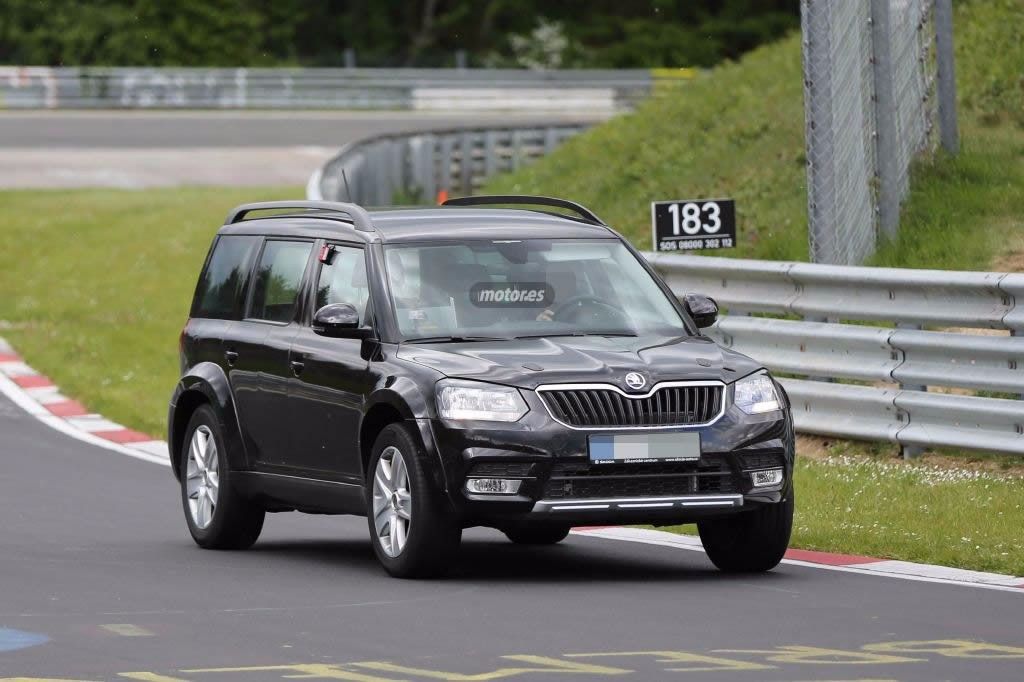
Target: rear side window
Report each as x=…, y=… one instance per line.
x=278, y=279
x=221, y=288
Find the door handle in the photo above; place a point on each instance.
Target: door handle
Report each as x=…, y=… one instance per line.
x=231, y=356
x=297, y=367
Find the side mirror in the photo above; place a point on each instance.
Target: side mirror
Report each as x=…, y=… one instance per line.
x=702, y=309
x=338, y=320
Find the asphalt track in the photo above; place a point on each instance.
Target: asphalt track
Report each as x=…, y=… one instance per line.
x=100, y=581
x=175, y=130
x=141, y=149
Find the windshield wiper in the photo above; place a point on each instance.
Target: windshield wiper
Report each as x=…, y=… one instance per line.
x=456, y=339
x=607, y=334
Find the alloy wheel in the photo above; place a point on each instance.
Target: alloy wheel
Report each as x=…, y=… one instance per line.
x=202, y=480
x=392, y=501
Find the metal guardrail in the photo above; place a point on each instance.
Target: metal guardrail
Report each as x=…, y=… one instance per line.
x=895, y=365
x=577, y=90
x=387, y=168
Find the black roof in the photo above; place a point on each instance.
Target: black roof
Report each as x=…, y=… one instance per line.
x=394, y=225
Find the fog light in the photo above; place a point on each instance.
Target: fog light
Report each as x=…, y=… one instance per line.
x=493, y=486
x=766, y=477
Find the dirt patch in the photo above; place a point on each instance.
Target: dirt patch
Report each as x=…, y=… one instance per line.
x=819, y=449
x=1012, y=258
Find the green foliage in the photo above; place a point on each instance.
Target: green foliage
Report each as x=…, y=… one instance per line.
x=186, y=32
x=382, y=32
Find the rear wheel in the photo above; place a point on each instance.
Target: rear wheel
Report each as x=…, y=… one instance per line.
x=752, y=542
x=538, y=534
x=413, y=530
x=218, y=517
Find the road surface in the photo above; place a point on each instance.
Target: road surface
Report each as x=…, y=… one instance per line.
x=100, y=581
x=136, y=149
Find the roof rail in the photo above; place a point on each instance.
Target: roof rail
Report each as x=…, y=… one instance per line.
x=360, y=218
x=484, y=200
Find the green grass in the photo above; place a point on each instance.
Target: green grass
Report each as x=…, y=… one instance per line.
x=97, y=285
x=914, y=512
x=964, y=211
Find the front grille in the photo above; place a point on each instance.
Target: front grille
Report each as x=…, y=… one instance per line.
x=673, y=405
x=581, y=480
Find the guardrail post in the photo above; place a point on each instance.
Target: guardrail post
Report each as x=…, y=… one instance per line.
x=490, y=159
x=517, y=149
x=550, y=139
x=818, y=318
x=444, y=178
x=948, y=131
x=381, y=153
x=910, y=451
x=1016, y=332
x=466, y=163
x=885, y=120
x=422, y=148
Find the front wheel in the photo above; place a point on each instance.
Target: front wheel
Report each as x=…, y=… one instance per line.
x=413, y=531
x=752, y=542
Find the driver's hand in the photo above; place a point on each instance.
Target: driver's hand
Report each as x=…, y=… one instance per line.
x=546, y=316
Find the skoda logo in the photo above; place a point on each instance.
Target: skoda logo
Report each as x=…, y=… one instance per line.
x=635, y=381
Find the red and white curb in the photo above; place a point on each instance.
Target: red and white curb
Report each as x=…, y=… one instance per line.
x=38, y=396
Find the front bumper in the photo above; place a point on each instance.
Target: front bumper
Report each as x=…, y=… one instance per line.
x=559, y=483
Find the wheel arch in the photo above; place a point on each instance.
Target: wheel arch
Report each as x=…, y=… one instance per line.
x=402, y=402
x=204, y=384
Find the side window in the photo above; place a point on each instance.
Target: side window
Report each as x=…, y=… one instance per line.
x=343, y=280
x=221, y=288
x=278, y=279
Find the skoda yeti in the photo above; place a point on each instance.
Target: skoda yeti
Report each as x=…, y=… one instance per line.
x=435, y=369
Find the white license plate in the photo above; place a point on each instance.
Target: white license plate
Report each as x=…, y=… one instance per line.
x=644, y=447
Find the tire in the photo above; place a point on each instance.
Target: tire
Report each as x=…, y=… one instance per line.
x=413, y=530
x=752, y=542
x=226, y=520
x=538, y=534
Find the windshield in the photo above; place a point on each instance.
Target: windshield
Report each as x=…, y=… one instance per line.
x=521, y=288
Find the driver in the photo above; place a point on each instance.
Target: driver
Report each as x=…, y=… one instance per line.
x=565, y=286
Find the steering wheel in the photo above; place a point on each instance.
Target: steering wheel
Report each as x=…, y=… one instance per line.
x=576, y=303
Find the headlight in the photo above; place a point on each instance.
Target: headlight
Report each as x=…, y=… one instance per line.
x=482, y=402
x=756, y=394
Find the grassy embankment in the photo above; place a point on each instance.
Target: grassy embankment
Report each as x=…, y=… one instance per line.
x=94, y=285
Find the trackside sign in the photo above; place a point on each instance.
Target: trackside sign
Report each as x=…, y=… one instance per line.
x=692, y=224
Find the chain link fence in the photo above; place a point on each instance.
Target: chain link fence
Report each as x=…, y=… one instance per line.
x=871, y=75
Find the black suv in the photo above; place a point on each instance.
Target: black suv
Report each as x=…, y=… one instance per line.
x=467, y=365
